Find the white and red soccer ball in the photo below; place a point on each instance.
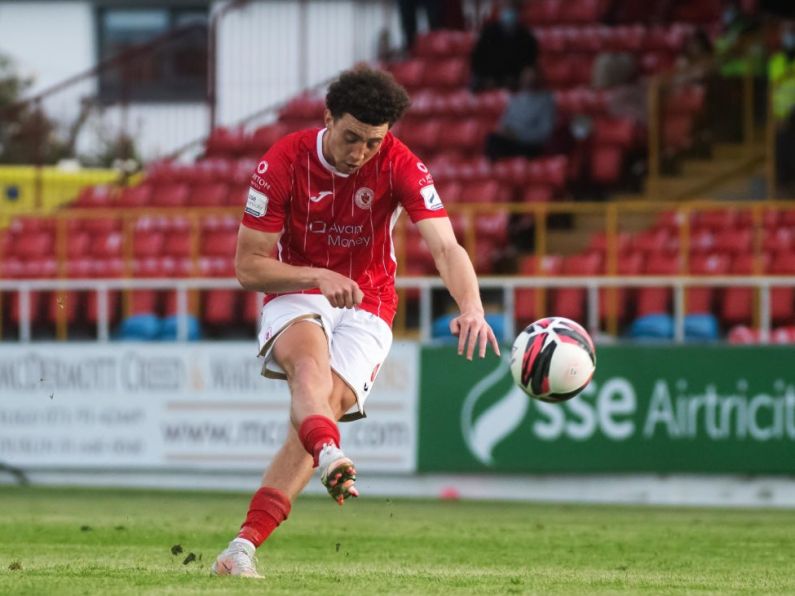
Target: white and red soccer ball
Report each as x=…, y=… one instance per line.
x=553, y=359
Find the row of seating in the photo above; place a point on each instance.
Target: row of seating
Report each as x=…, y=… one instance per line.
x=635, y=38
x=553, y=12
x=729, y=241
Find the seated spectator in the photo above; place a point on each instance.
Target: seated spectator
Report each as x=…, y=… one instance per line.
x=527, y=123
x=504, y=48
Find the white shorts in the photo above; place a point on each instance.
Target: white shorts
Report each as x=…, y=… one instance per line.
x=358, y=340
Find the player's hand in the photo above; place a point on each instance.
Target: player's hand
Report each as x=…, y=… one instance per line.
x=340, y=291
x=472, y=330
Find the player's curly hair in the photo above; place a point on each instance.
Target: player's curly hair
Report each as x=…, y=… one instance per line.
x=369, y=95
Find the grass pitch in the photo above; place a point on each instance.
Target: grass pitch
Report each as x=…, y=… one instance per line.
x=81, y=541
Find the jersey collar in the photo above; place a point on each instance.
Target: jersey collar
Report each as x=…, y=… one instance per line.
x=322, y=159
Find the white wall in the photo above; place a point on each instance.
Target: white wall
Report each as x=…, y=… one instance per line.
x=48, y=40
x=259, y=62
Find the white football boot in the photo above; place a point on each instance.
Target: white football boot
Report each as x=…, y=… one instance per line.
x=337, y=473
x=238, y=559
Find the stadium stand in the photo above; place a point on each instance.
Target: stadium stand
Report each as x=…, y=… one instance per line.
x=446, y=126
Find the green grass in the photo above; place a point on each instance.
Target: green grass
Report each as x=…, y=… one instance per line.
x=81, y=541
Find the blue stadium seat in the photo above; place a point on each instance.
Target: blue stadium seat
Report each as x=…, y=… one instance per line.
x=656, y=326
x=168, y=330
x=143, y=327
x=701, y=327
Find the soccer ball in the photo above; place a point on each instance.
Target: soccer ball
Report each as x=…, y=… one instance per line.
x=553, y=359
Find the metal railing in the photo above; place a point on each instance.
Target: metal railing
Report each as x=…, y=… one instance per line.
x=425, y=285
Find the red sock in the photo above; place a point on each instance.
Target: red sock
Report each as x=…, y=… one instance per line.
x=269, y=507
x=316, y=431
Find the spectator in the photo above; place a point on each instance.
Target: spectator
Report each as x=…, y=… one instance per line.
x=505, y=47
x=781, y=73
x=527, y=123
x=434, y=12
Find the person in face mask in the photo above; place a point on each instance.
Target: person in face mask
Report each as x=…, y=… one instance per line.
x=505, y=47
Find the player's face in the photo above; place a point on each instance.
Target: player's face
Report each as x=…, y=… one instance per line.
x=350, y=143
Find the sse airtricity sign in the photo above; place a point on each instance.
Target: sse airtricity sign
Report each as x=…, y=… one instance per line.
x=648, y=409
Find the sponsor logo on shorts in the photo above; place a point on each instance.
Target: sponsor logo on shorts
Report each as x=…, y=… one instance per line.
x=364, y=198
x=257, y=203
x=432, y=200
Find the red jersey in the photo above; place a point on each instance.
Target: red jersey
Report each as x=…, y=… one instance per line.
x=337, y=221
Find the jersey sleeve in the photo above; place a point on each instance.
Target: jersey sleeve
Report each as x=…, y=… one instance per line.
x=415, y=187
x=269, y=189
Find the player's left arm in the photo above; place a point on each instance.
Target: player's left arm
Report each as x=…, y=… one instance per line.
x=458, y=275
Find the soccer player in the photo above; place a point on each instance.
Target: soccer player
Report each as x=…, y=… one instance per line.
x=316, y=238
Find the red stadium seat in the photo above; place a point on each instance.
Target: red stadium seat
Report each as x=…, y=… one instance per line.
x=147, y=244
x=135, y=196
x=170, y=195
x=252, y=306
x=226, y=142
x=482, y=191
x=409, y=73
x=32, y=245
x=542, y=12
x=449, y=73
x=177, y=244
x=265, y=137
x=616, y=300
x=699, y=300
x=527, y=300
x=209, y=195
x=656, y=300
x=219, y=244
x=607, y=162
x=581, y=11
x=95, y=196
x=570, y=302
x=78, y=245
x=782, y=299
x=422, y=135
x=464, y=137
x=220, y=307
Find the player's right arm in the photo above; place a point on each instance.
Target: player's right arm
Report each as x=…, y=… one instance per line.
x=257, y=269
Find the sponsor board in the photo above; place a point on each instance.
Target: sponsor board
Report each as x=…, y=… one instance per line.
x=202, y=406
x=648, y=409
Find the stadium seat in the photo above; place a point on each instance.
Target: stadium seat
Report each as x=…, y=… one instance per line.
x=219, y=244
x=177, y=244
x=95, y=196
x=170, y=195
x=141, y=327
x=170, y=325
x=209, y=195
x=701, y=327
x=698, y=300
x=32, y=245
x=527, y=300
x=409, y=73
x=226, y=142
x=570, y=302
x=147, y=244
x=652, y=327
x=480, y=191
x=220, y=307
x=135, y=196
x=652, y=300
x=782, y=299
x=264, y=138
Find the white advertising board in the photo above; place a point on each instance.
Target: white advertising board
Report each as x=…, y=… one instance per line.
x=195, y=406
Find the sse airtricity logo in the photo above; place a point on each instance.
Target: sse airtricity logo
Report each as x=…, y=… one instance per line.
x=490, y=415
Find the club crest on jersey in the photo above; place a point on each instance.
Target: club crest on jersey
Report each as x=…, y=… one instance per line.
x=262, y=167
x=364, y=198
x=432, y=200
x=422, y=167
x=257, y=203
